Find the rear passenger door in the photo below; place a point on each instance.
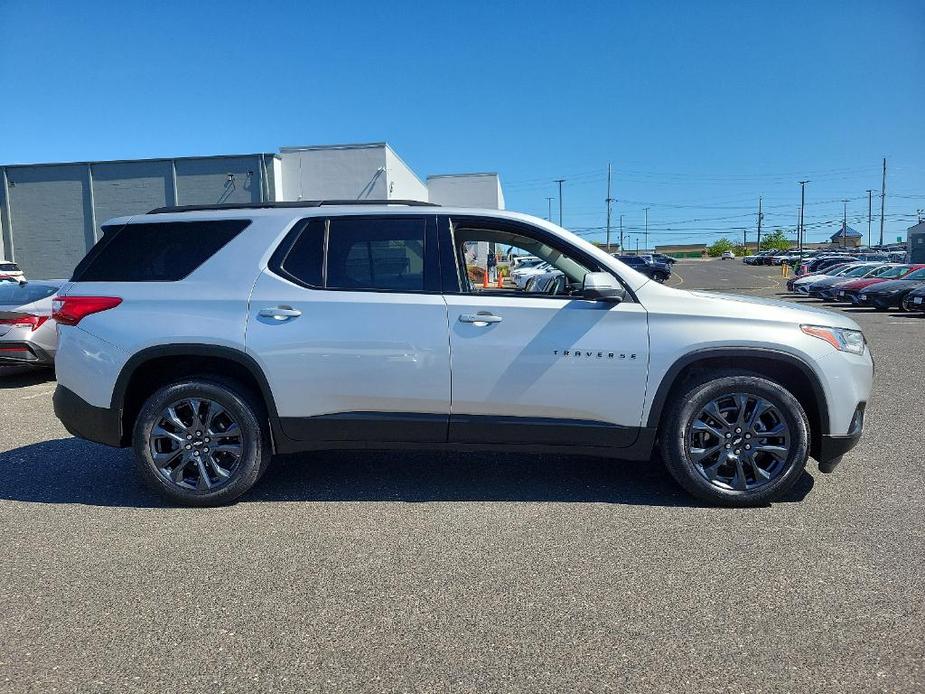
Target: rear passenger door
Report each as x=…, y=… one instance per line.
x=350, y=328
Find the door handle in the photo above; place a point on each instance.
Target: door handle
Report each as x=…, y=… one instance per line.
x=280, y=313
x=480, y=318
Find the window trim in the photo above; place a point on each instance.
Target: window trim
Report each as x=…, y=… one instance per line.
x=431, y=269
x=452, y=283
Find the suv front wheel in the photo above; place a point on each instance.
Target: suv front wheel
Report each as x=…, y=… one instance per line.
x=736, y=439
x=200, y=442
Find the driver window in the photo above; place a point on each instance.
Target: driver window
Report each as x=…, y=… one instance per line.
x=505, y=262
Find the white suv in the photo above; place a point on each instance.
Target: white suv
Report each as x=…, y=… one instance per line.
x=211, y=337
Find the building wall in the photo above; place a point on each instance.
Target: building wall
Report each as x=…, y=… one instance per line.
x=218, y=180
x=402, y=182
x=466, y=190
x=50, y=218
x=124, y=188
x=349, y=172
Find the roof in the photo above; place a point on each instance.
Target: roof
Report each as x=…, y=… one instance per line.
x=846, y=232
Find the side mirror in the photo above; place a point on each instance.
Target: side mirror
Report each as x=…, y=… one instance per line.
x=602, y=286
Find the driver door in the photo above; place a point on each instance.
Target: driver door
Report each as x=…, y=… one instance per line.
x=538, y=368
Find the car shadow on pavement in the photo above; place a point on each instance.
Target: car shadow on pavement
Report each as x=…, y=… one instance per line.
x=73, y=471
x=19, y=376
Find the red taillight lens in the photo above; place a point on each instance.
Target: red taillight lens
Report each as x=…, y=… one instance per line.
x=25, y=321
x=70, y=310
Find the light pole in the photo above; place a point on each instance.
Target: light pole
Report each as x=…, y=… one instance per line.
x=646, y=210
x=870, y=200
x=844, y=226
x=622, y=249
x=560, y=181
x=549, y=208
x=802, y=227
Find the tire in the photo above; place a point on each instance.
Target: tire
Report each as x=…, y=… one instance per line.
x=782, y=459
x=229, y=418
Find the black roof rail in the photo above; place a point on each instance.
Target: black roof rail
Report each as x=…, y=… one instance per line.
x=294, y=203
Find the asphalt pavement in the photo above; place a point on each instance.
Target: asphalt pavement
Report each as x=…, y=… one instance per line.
x=470, y=573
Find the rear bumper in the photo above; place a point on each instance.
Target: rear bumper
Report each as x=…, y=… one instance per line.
x=99, y=424
x=19, y=353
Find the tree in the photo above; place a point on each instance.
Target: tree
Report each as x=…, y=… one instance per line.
x=717, y=248
x=775, y=240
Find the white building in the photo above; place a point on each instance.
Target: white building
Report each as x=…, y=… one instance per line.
x=50, y=214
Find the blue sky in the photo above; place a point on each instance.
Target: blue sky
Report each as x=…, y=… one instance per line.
x=700, y=106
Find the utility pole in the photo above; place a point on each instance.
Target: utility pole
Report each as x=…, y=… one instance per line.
x=549, y=208
x=608, y=200
x=760, y=215
x=622, y=250
x=882, y=201
x=637, y=244
x=560, y=181
x=844, y=226
x=646, y=210
x=745, y=239
x=802, y=228
x=870, y=200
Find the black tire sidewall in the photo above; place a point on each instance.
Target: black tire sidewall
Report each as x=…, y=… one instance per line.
x=254, y=457
x=694, y=398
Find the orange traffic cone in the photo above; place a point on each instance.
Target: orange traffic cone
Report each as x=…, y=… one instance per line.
x=485, y=280
x=500, y=281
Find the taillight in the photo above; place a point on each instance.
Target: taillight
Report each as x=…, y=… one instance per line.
x=25, y=321
x=70, y=310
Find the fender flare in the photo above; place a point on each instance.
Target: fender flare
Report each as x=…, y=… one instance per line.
x=671, y=376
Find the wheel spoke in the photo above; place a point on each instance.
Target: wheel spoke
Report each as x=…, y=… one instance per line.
x=215, y=410
x=741, y=401
x=162, y=460
x=711, y=470
x=761, y=406
x=177, y=474
x=700, y=425
x=160, y=432
x=698, y=454
x=739, y=481
x=233, y=448
x=204, y=482
x=218, y=469
x=778, y=429
x=712, y=409
x=170, y=415
x=778, y=452
x=195, y=405
x=760, y=474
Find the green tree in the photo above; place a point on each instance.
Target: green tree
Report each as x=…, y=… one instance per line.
x=776, y=240
x=717, y=248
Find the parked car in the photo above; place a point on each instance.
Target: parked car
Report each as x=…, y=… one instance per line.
x=802, y=285
x=728, y=255
x=553, y=282
x=757, y=258
x=821, y=262
x=849, y=291
x=10, y=270
x=657, y=271
x=27, y=336
x=915, y=300
x=812, y=276
x=523, y=273
x=294, y=327
x=662, y=258
x=820, y=288
x=890, y=294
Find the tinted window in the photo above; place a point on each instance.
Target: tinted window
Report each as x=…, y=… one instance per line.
x=157, y=251
x=13, y=293
x=306, y=257
x=376, y=254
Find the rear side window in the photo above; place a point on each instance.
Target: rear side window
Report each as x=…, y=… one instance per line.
x=359, y=253
x=376, y=254
x=156, y=251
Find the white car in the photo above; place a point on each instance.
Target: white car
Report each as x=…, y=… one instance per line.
x=728, y=255
x=10, y=271
x=298, y=327
x=522, y=275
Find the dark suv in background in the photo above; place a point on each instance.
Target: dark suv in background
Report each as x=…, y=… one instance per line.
x=660, y=272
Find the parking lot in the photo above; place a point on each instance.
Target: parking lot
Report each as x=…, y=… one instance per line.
x=440, y=572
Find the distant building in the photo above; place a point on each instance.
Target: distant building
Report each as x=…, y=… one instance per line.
x=50, y=214
x=915, y=243
x=847, y=237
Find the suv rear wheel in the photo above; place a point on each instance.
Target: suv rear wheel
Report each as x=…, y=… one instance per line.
x=735, y=438
x=200, y=442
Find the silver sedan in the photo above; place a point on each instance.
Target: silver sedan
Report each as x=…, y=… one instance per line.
x=27, y=333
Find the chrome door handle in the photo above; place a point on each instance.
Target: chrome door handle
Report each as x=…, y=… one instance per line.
x=480, y=318
x=280, y=313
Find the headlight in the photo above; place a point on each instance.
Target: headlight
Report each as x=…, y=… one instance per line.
x=842, y=339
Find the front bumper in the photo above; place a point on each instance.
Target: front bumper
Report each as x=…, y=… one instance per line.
x=832, y=446
x=98, y=424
